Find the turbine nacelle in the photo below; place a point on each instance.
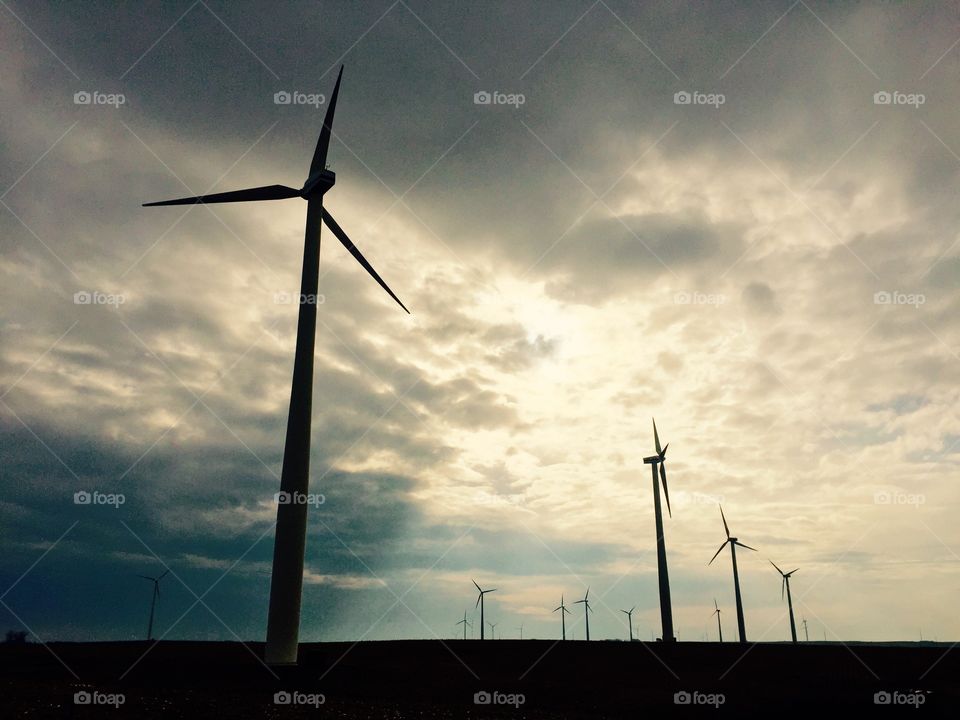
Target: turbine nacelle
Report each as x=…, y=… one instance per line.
x=318, y=184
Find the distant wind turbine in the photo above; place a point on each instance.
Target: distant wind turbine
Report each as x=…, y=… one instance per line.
x=563, y=620
x=655, y=461
x=521, y=631
x=153, y=600
x=717, y=613
x=733, y=542
x=805, y=632
x=464, y=622
x=586, y=610
x=786, y=585
x=480, y=603
x=286, y=584
x=493, y=629
x=629, y=614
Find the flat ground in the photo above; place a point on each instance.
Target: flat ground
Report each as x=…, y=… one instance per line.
x=439, y=679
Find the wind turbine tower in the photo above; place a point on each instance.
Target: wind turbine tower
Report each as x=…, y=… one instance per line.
x=657, y=461
x=785, y=585
x=153, y=600
x=464, y=622
x=480, y=604
x=586, y=610
x=563, y=620
x=717, y=613
x=286, y=582
x=733, y=543
x=629, y=614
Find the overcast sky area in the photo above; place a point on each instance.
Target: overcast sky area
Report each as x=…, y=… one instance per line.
x=771, y=270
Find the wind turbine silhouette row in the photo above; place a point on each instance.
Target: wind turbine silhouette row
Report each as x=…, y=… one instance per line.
x=657, y=464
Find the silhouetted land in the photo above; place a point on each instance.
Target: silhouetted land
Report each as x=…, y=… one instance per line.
x=427, y=679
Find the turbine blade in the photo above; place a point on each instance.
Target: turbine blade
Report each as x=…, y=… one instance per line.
x=342, y=237
x=494, y=590
x=666, y=492
x=557, y=608
x=146, y=578
x=725, y=528
x=716, y=553
x=783, y=584
x=775, y=565
x=478, y=601
x=164, y=573
x=792, y=572
x=656, y=437
x=746, y=546
x=476, y=586
x=715, y=605
x=267, y=192
x=319, y=161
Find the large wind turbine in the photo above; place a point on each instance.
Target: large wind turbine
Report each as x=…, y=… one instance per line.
x=717, y=613
x=654, y=461
x=283, y=623
x=733, y=542
x=153, y=600
x=563, y=620
x=464, y=622
x=586, y=610
x=480, y=603
x=785, y=585
x=629, y=614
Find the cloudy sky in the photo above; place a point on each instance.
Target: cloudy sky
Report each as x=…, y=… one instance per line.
x=770, y=270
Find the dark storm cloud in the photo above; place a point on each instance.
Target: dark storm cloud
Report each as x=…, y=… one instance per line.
x=599, y=188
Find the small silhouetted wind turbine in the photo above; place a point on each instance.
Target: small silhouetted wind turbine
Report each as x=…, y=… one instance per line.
x=286, y=583
x=521, y=631
x=563, y=620
x=464, y=622
x=586, y=610
x=786, y=585
x=493, y=629
x=733, y=542
x=654, y=461
x=629, y=614
x=480, y=603
x=717, y=613
x=153, y=600
x=805, y=631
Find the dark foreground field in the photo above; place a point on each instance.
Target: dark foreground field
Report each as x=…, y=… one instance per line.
x=434, y=679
